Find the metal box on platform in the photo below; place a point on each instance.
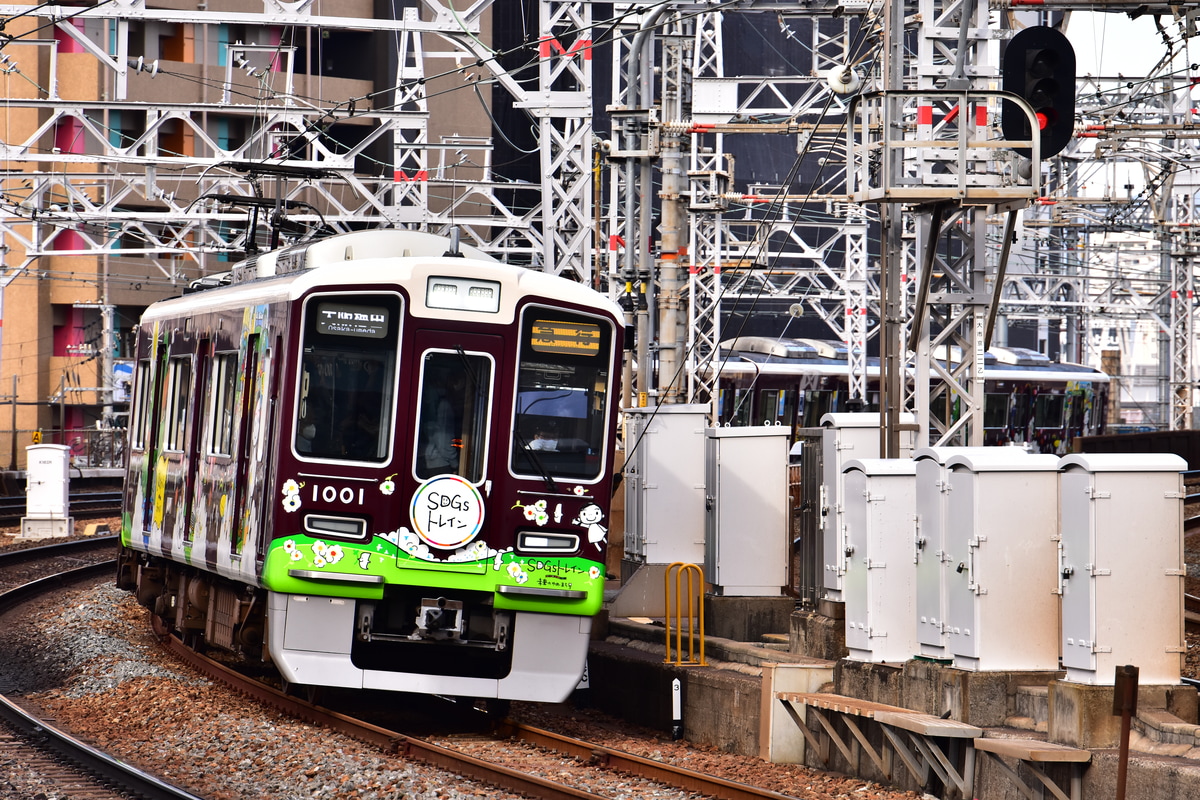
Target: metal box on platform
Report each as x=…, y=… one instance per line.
x=1122, y=555
x=929, y=546
x=1001, y=545
x=47, y=491
x=664, y=486
x=747, y=546
x=847, y=437
x=879, y=585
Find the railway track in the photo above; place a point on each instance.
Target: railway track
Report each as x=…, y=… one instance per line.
x=44, y=753
x=82, y=505
x=536, y=777
x=453, y=755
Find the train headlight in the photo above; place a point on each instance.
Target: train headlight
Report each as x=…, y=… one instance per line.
x=542, y=542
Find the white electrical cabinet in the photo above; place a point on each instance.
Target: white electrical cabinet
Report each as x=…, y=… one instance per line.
x=879, y=584
x=1121, y=566
x=1001, y=554
x=664, y=485
x=929, y=546
x=47, y=491
x=48, y=480
x=747, y=545
x=847, y=437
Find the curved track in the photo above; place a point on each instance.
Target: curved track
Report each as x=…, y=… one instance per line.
x=73, y=765
x=475, y=768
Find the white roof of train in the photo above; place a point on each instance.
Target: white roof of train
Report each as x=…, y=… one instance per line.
x=368, y=259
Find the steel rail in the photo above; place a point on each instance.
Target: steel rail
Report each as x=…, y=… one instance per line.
x=70, y=547
x=466, y=765
x=649, y=769
x=390, y=741
x=93, y=761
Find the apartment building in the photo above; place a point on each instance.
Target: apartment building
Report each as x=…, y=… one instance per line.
x=114, y=192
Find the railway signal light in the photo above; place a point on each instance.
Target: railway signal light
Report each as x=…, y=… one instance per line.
x=1039, y=65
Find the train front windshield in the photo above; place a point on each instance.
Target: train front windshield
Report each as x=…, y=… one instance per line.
x=347, y=378
x=562, y=395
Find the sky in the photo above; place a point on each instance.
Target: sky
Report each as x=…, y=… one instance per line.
x=1111, y=43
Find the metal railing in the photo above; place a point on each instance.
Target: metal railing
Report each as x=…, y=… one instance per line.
x=91, y=448
x=675, y=616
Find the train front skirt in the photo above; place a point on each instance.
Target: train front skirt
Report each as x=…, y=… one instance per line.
x=312, y=640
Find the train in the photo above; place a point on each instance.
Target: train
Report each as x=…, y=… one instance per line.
x=1028, y=398
x=379, y=460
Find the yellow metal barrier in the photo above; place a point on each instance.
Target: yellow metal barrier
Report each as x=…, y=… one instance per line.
x=692, y=571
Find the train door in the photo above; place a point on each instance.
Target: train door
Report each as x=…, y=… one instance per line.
x=240, y=528
x=455, y=403
x=172, y=464
x=146, y=445
x=193, y=456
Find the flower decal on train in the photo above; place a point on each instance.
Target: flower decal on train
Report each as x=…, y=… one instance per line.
x=594, y=573
x=388, y=486
x=536, y=512
x=579, y=490
x=516, y=573
x=292, y=550
x=291, y=496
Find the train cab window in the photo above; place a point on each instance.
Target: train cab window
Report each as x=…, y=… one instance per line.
x=1048, y=411
x=455, y=406
x=562, y=395
x=345, y=401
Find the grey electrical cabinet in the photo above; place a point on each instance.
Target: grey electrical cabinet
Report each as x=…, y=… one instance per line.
x=929, y=546
x=878, y=589
x=848, y=437
x=664, y=484
x=1001, y=541
x=747, y=542
x=1121, y=566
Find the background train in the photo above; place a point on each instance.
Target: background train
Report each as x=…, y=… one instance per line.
x=378, y=464
x=1027, y=397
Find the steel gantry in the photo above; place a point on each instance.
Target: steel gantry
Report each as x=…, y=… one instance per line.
x=115, y=186
x=888, y=225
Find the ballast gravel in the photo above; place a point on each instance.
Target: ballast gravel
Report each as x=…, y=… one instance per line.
x=93, y=665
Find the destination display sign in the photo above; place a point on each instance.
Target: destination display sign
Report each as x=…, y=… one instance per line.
x=565, y=338
x=345, y=320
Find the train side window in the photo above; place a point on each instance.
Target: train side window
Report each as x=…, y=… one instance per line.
x=222, y=408
x=1048, y=411
x=179, y=397
x=562, y=394
x=454, y=409
x=995, y=410
x=141, y=405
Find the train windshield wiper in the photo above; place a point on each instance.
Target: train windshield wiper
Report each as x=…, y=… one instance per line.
x=533, y=456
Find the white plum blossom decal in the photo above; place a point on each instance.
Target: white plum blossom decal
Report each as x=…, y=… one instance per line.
x=536, y=512
x=388, y=486
x=594, y=573
x=291, y=497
